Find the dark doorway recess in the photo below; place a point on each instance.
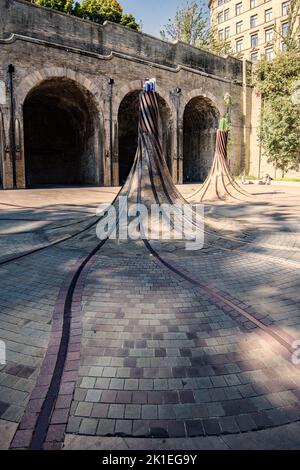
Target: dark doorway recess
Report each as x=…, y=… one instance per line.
x=62, y=135
x=128, y=132
x=200, y=122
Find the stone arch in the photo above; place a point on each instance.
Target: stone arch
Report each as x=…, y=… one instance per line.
x=201, y=92
x=200, y=122
x=62, y=129
x=127, y=118
x=127, y=88
x=38, y=76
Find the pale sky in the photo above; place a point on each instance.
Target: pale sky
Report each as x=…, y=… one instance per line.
x=153, y=13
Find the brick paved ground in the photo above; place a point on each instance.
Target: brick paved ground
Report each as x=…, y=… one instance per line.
x=156, y=356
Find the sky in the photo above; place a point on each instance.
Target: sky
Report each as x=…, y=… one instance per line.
x=154, y=14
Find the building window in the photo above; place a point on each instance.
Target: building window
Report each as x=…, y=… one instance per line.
x=226, y=14
x=226, y=32
x=285, y=29
x=285, y=8
x=254, y=56
x=238, y=8
x=269, y=53
x=239, y=45
x=283, y=46
x=252, y=3
x=254, y=40
x=238, y=27
x=269, y=35
x=253, y=21
x=220, y=2
x=220, y=17
x=268, y=15
x=221, y=35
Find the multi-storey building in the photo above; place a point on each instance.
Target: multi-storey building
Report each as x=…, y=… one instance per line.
x=254, y=28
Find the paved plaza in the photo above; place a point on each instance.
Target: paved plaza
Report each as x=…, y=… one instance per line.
x=180, y=350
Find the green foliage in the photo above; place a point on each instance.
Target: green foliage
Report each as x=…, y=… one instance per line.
x=217, y=46
x=129, y=21
x=276, y=78
x=97, y=11
x=224, y=124
x=280, y=133
x=225, y=121
x=101, y=10
x=190, y=25
x=280, y=123
x=60, y=5
x=290, y=39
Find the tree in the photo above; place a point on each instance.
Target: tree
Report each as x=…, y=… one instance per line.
x=279, y=131
x=290, y=36
x=218, y=46
x=60, y=5
x=107, y=10
x=98, y=11
x=190, y=25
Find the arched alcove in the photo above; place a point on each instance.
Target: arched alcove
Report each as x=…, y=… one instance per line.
x=61, y=135
x=200, y=122
x=128, y=116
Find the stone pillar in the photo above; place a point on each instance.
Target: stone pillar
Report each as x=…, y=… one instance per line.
x=5, y=133
x=247, y=104
x=173, y=159
x=106, y=152
x=19, y=152
x=115, y=153
x=180, y=152
x=7, y=166
x=2, y=148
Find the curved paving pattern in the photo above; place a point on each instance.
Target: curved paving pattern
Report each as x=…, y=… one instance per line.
x=170, y=362
x=151, y=354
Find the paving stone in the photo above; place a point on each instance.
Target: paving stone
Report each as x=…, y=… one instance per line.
x=277, y=416
x=93, y=396
x=245, y=422
x=116, y=411
x=149, y=412
x=202, y=396
x=88, y=382
x=140, y=428
x=132, y=411
x=228, y=425
x=194, y=428
x=12, y=413
x=84, y=409
x=3, y=407
x=74, y=424
x=102, y=383
x=106, y=427
x=123, y=427
x=100, y=410
x=88, y=426
x=211, y=426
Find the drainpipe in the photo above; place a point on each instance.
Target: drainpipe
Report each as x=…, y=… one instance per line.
x=178, y=92
x=111, y=85
x=10, y=71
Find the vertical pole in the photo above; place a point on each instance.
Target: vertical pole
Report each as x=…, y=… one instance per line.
x=10, y=70
x=178, y=92
x=111, y=84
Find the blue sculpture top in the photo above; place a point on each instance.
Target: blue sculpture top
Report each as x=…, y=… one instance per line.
x=150, y=85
